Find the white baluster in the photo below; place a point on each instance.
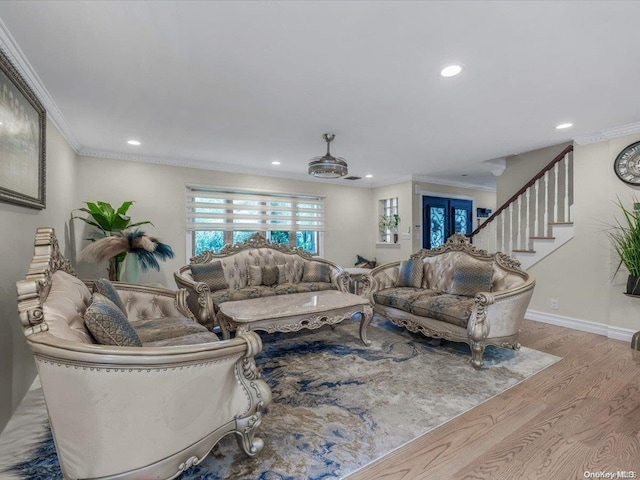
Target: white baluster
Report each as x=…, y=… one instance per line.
x=510, y=229
x=519, y=224
x=526, y=231
x=545, y=222
x=566, y=188
x=555, y=199
x=536, y=224
x=496, y=249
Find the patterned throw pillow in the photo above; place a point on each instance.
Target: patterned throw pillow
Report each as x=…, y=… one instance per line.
x=211, y=274
x=255, y=275
x=316, y=272
x=108, y=324
x=106, y=288
x=270, y=276
x=471, y=276
x=410, y=274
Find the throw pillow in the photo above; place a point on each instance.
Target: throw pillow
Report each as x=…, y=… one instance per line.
x=108, y=324
x=270, y=276
x=255, y=275
x=210, y=273
x=410, y=274
x=316, y=272
x=282, y=274
x=106, y=288
x=471, y=276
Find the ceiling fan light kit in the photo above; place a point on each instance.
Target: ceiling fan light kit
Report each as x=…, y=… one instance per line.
x=328, y=166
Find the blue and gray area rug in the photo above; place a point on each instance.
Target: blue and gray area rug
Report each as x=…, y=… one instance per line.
x=339, y=405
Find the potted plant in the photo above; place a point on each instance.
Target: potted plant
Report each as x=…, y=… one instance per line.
x=389, y=223
x=625, y=236
x=116, y=237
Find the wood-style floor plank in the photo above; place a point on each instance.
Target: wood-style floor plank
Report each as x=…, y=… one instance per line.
x=580, y=415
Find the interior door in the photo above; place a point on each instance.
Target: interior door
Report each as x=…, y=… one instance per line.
x=442, y=217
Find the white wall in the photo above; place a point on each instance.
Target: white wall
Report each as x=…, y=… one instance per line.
x=159, y=193
x=580, y=274
x=17, y=368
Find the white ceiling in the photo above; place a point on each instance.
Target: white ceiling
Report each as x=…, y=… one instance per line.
x=236, y=85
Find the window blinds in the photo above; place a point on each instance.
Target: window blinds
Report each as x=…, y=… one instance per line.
x=213, y=209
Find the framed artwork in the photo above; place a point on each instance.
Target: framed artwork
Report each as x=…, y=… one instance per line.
x=22, y=140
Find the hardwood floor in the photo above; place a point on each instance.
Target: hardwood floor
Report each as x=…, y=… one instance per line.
x=580, y=415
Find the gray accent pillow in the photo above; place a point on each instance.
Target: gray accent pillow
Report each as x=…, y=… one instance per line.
x=270, y=276
x=316, y=272
x=471, y=277
x=255, y=276
x=106, y=288
x=108, y=324
x=410, y=274
x=210, y=273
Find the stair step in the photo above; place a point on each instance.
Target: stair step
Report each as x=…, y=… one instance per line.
x=542, y=238
x=523, y=251
x=561, y=223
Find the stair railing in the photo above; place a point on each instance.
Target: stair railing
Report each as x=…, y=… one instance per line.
x=544, y=200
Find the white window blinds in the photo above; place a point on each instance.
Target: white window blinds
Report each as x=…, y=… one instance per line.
x=218, y=209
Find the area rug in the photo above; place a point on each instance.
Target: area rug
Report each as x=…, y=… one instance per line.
x=338, y=405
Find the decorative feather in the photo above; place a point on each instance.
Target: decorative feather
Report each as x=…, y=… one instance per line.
x=147, y=249
x=105, y=248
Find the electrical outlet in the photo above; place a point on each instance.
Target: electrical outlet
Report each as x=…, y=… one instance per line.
x=554, y=304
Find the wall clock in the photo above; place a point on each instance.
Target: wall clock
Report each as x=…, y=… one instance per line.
x=627, y=164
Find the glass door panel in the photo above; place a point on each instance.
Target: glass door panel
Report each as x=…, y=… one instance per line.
x=442, y=217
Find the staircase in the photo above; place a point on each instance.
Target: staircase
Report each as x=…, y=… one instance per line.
x=537, y=219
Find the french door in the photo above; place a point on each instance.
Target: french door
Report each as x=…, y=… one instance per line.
x=442, y=217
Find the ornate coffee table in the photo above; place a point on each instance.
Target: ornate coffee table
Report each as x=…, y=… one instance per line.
x=293, y=312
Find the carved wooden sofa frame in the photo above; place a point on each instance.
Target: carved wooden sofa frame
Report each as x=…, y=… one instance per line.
x=134, y=412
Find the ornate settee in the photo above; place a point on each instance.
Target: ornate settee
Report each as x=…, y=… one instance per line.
x=455, y=292
x=126, y=412
x=237, y=271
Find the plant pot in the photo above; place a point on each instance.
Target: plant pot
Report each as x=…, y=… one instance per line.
x=633, y=285
x=131, y=269
x=395, y=238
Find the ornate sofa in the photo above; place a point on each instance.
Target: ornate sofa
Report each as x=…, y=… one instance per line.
x=235, y=273
x=455, y=292
x=134, y=411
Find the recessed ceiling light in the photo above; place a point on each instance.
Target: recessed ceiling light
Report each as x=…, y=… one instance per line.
x=275, y=162
x=563, y=126
x=451, y=70
x=133, y=142
x=368, y=175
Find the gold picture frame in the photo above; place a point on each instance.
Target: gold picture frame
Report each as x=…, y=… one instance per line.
x=22, y=140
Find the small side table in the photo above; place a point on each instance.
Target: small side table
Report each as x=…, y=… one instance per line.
x=356, y=275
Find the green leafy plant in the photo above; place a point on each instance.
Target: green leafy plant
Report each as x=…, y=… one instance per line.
x=625, y=236
x=109, y=221
x=389, y=222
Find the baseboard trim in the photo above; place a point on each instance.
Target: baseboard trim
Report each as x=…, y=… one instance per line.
x=615, y=333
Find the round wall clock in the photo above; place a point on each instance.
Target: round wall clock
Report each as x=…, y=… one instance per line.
x=627, y=164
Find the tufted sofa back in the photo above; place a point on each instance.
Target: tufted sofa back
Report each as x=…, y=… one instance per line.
x=236, y=265
x=439, y=271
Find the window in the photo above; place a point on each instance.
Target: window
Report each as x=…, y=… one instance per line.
x=216, y=217
x=388, y=219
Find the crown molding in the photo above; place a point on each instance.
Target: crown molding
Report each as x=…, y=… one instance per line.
x=604, y=135
x=217, y=166
x=452, y=183
x=17, y=57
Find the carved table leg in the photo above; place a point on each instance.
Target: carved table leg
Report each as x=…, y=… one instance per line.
x=224, y=326
x=367, y=316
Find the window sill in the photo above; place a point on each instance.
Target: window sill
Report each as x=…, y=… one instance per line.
x=387, y=245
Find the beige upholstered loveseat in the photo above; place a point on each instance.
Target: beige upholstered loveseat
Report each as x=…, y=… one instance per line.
x=455, y=292
x=126, y=412
x=237, y=273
